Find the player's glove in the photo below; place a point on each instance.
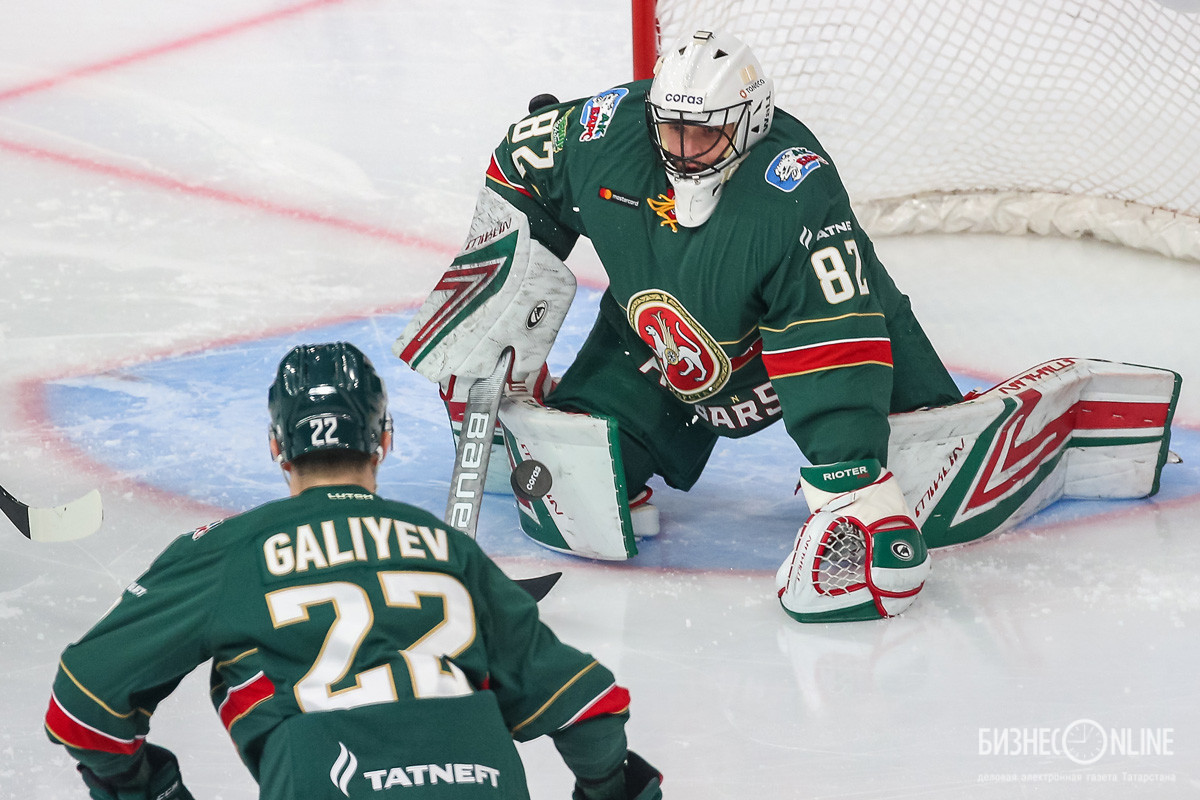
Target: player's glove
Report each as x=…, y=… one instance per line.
x=860, y=555
x=154, y=777
x=641, y=780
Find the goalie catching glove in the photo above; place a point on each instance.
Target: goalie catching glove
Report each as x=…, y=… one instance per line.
x=859, y=555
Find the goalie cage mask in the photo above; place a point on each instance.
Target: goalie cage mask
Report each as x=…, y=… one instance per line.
x=708, y=105
x=710, y=80
x=327, y=397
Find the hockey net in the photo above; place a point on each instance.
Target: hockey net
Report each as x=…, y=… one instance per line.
x=1068, y=117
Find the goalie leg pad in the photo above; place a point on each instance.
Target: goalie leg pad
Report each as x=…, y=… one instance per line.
x=585, y=512
x=859, y=556
x=1073, y=428
x=454, y=395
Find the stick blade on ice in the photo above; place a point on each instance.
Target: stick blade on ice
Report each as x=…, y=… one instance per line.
x=74, y=520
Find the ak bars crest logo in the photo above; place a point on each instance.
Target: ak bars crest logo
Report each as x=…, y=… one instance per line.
x=692, y=363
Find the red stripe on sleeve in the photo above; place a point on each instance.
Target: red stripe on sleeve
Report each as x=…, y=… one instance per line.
x=241, y=700
x=615, y=700
x=496, y=174
x=753, y=351
x=831, y=355
x=74, y=733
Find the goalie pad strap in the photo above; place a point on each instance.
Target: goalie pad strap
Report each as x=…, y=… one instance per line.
x=504, y=289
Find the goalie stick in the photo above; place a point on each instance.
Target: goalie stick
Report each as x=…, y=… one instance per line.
x=75, y=520
x=471, y=462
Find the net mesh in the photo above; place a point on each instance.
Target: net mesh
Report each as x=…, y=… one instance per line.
x=1092, y=106
x=840, y=563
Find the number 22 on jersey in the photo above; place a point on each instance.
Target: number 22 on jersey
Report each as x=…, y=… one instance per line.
x=354, y=616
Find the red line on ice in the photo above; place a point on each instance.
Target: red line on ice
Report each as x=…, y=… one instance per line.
x=192, y=189
x=220, y=195
x=172, y=46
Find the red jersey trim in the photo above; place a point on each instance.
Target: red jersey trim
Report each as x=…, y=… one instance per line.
x=244, y=698
x=494, y=173
x=73, y=732
x=614, y=700
x=828, y=355
x=753, y=351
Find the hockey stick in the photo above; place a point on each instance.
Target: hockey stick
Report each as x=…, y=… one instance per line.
x=75, y=520
x=471, y=462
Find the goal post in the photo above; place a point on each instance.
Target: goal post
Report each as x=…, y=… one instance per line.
x=1067, y=117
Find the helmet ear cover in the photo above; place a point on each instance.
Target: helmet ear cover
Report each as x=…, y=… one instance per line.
x=327, y=397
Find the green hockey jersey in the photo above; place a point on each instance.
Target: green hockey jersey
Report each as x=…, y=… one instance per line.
x=357, y=645
x=775, y=308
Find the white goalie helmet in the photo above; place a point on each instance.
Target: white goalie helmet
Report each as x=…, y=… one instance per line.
x=710, y=102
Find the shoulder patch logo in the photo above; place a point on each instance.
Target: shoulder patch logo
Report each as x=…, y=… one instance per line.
x=788, y=169
x=598, y=113
x=619, y=197
x=692, y=363
x=558, y=137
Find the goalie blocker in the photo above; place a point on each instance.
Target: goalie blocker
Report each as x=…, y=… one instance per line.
x=504, y=289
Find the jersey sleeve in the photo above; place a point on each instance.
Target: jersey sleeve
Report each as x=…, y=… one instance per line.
x=826, y=344
x=540, y=163
x=110, y=682
x=541, y=683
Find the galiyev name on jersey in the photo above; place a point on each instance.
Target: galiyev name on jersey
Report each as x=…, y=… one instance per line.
x=352, y=539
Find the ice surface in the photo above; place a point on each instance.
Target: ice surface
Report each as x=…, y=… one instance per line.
x=189, y=189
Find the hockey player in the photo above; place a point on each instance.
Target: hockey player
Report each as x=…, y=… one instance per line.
x=742, y=291
x=359, y=646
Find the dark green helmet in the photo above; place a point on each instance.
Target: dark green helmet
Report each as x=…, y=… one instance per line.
x=327, y=397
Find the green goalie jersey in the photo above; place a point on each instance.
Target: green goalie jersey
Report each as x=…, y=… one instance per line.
x=775, y=308
x=357, y=644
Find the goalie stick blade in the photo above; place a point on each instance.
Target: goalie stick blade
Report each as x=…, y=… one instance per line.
x=540, y=586
x=66, y=523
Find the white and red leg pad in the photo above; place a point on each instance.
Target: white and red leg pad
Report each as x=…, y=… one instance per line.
x=860, y=556
x=1068, y=428
x=585, y=512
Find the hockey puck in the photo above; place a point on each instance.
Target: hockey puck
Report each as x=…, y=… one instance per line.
x=530, y=480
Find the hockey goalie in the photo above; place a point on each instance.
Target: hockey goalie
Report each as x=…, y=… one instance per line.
x=743, y=292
